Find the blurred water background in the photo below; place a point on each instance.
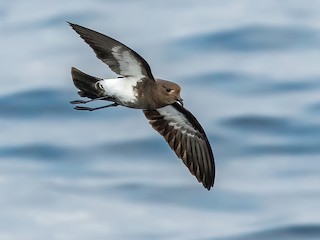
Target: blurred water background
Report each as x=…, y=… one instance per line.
x=249, y=71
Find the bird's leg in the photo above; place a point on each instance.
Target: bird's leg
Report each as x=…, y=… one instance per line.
x=97, y=108
x=87, y=101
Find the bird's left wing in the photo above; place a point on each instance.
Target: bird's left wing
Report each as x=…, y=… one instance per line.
x=120, y=58
x=187, y=139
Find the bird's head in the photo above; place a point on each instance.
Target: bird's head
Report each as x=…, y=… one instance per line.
x=169, y=92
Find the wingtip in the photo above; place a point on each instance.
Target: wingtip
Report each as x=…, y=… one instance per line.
x=208, y=187
x=73, y=70
x=208, y=183
x=73, y=25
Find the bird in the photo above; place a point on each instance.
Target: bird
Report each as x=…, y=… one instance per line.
x=160, y=100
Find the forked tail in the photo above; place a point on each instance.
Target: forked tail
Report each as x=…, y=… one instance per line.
x=86, y=84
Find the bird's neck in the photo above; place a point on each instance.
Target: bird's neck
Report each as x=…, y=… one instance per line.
x=158, y=96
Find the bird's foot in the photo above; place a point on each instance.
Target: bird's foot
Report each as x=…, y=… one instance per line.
x=93, y=109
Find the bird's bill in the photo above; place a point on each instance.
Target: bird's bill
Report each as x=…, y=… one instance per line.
x=180, y=100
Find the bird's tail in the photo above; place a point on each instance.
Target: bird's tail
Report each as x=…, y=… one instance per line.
x=85, y=83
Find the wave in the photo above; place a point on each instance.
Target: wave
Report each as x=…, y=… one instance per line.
x=292, y=232
x=253, y=38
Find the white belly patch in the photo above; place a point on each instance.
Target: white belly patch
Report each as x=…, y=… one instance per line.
x=121, y=88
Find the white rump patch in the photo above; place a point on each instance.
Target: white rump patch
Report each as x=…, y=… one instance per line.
x=121, y=88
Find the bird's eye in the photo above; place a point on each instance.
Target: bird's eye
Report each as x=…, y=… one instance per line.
x=168, y=90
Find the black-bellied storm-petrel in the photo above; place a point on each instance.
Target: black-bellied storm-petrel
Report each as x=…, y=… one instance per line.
x=159, y=99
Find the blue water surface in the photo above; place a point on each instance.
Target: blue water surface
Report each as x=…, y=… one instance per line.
x=249, y=71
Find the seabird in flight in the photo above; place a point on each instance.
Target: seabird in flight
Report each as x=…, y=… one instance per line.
x=159, y=100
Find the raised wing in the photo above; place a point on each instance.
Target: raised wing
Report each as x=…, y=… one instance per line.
x=120, y=58
x=187, y=139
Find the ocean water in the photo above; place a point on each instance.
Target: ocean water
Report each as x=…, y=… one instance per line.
x=249, y=71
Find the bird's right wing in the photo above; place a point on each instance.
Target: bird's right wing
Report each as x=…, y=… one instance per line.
x=187, y=139
x=120, y=58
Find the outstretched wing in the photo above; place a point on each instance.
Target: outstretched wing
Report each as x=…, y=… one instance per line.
x=187, y=139
x=120, y=58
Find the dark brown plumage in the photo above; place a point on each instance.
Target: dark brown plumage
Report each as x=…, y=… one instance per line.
x=159, y=99
x=188, y=140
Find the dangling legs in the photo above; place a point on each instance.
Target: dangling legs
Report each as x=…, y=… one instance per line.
x=93, y=109
x=87, y=101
